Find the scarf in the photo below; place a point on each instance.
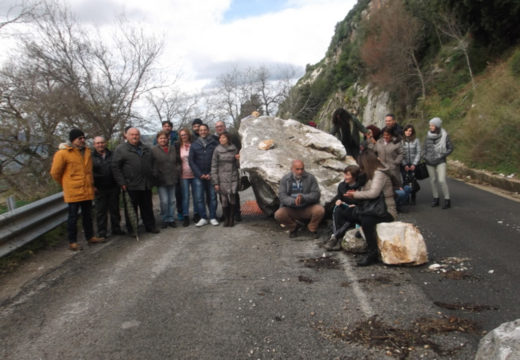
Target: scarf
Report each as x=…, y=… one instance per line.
x=439, y=141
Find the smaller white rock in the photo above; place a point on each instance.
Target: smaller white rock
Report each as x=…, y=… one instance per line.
x=503, y=343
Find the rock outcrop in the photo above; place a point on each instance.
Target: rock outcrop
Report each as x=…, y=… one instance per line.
x=503, y=343
x=401, y=243
x=324, y=157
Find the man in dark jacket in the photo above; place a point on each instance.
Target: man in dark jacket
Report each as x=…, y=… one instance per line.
x=299, y=196
x=201, y=153
x=396, y=129
x=132, y=166
x=106, y=189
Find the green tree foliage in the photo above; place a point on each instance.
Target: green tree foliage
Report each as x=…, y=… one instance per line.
x=515, y=64
x=493, y=23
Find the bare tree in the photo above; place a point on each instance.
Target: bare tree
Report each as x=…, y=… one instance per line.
x=105, y=80
x=19, y=13
x=389, y=51
x=240, y=92
x=175, y=106
x=62, y=78
x=32, y=110
x=448, y=25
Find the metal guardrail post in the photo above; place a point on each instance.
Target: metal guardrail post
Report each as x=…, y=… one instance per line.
x=11, y=204
x=24, y=224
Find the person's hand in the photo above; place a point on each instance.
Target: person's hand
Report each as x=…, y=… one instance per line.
x=299, y=199
x=338, y=202
x=412, y=168
x=406, y=168
x=237, y=156
x=123, y=187
x=350, y=193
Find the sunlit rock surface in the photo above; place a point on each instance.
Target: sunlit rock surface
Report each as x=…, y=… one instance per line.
x=324, y=157
x=401, y=243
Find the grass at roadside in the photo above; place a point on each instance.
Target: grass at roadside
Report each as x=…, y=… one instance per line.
x=483, y=124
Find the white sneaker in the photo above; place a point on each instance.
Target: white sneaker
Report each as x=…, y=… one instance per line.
x=201, y=222
x=213, y=222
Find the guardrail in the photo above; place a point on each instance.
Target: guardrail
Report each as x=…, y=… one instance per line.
x=24, y=224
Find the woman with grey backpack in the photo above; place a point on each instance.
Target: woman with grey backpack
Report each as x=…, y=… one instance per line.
x=436, y=148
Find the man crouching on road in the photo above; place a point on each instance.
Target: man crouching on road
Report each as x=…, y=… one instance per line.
x=299, y=196
x=72, y=169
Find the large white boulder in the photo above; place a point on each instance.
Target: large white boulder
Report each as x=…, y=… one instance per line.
x=323, y=155
x=401, y=243
x=503, y=343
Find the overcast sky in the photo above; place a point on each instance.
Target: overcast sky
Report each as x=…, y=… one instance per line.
x=204, y=38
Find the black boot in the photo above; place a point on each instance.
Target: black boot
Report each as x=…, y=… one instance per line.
x=333, y=244
x=372, y=257
x=225, y=215
x=435, y=202
x=412, y=199
x=231, y=215
x=447, y=204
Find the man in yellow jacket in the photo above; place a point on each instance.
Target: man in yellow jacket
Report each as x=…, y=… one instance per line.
x=72, y=169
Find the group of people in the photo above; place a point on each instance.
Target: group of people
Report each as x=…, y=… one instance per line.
x=373, y=190
x=195, y=162
x=179, y=163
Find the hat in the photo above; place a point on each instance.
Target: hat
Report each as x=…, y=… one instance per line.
x=437, y=122
x=196, y=121
x=75, y=133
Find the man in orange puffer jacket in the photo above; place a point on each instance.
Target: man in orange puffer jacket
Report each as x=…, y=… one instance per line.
x=72, y=169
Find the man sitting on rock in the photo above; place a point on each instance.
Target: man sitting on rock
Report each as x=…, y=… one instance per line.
x=299, y=196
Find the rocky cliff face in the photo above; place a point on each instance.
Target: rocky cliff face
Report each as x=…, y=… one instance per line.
x=359, y=98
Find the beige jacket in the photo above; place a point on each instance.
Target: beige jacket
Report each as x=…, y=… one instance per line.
x=381, y=181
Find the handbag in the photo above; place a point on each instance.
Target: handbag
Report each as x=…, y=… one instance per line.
x=372, y=207
x=410, y=180
x=421, y=172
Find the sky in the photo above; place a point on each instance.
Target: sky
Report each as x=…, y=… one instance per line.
x=206, y=38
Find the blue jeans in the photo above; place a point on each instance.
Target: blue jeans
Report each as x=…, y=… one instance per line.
x=186, y=184
x=167, y=202
x=403, y=195
x=203, y=190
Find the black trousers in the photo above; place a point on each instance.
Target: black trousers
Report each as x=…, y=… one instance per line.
x=142, y=199
x=107, y=202
x=178, y=197
x=86, y=217
x=341, y=220
x=369, y=223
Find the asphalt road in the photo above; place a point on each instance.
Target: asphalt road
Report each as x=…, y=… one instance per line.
x=250, y=292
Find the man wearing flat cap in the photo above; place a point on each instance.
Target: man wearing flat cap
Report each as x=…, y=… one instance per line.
x=72, y=169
